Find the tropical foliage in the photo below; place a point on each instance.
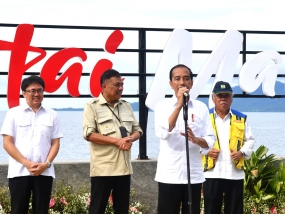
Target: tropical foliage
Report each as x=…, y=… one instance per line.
x=264, y=183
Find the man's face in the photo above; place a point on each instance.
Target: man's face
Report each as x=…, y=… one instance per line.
x=113, y=88
x=180, y=78
x=222, y=102
x=34, y=95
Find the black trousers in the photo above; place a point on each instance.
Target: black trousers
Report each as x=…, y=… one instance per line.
x=218, y=190
x=20, y=191
x=101, y=188
x=170, y=197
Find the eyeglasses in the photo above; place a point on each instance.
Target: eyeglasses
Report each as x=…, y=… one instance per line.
x=226, y=96
x=33, y=91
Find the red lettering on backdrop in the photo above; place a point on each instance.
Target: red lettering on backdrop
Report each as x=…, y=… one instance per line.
x=17, y=66
x=102, y=65
x=53, y=65
x=114, y=41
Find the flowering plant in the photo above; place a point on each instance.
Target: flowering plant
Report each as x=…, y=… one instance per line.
x=68, y=200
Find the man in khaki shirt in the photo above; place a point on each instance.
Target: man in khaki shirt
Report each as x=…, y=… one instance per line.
x=110, y=127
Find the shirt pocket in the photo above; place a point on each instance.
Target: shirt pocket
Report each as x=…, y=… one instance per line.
x=238, y=130
x=106, y=126
x=127, y=122
x=23, y=128
x=46, y=127
x=196, y=124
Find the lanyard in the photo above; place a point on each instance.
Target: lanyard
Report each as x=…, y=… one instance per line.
x=114, y=113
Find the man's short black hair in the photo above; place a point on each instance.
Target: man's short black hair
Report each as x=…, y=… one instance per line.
x=32, y=80
x=108, y=75
x=180, y=66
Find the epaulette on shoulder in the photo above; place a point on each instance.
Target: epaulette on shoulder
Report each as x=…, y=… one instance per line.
x=93, y=101
x=124, y=101
x=238, y=113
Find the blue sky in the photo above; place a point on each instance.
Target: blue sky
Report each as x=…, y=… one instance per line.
x=204, y=14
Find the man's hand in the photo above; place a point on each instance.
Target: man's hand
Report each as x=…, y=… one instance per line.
x=125, y=143
x=29, y=165
x=191, y=136
x=35, y=169
x=214, y=153
x=236, y=155
x=38, y=168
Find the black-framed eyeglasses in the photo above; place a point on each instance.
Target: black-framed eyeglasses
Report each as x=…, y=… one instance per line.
x=33, y=91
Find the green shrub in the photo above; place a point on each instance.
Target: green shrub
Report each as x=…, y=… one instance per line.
x=264, y=183
x=68, y=200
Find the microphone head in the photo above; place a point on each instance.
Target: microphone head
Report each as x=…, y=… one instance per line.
x=185, y=94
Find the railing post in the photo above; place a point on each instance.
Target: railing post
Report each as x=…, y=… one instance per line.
x=143, y=110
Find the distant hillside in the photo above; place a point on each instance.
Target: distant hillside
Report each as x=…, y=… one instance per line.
x=241, y=104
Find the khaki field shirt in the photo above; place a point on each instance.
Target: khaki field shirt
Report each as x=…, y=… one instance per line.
x=109, y=160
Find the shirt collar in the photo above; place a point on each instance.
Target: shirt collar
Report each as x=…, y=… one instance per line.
x=216, y=115
x=103, y=101
x=25, y=106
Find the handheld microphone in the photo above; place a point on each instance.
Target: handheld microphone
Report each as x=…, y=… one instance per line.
x=185, y=97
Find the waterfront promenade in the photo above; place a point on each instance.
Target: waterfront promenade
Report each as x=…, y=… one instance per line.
x=73, y=171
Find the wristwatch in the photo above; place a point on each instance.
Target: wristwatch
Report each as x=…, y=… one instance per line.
x=49, y=164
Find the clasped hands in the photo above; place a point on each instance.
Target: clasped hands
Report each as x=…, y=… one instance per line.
x=35, y=169
x=125, y=143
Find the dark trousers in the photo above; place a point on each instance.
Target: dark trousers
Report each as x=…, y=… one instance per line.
x=216, y=190
x=20, y=191
x=101, y=188
x=170, y=197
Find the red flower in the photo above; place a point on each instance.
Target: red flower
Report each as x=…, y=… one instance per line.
x=133, y=209
x=88, y=201
x=111, y=199
x=273, y=210
x=62, y=200
x=51, y=202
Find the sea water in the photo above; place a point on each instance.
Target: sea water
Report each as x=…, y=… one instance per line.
x=268, y=129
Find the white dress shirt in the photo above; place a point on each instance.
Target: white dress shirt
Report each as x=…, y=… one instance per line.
x=172, y=162
x=32, y=133
x=224, y=165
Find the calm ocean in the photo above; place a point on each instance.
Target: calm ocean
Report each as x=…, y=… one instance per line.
x=267, y=127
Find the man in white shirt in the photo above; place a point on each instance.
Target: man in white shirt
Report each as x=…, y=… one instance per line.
x=31, y=136
x=223, y=164
x=171, y=173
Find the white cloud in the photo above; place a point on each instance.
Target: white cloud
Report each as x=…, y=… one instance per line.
x=205, y=14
